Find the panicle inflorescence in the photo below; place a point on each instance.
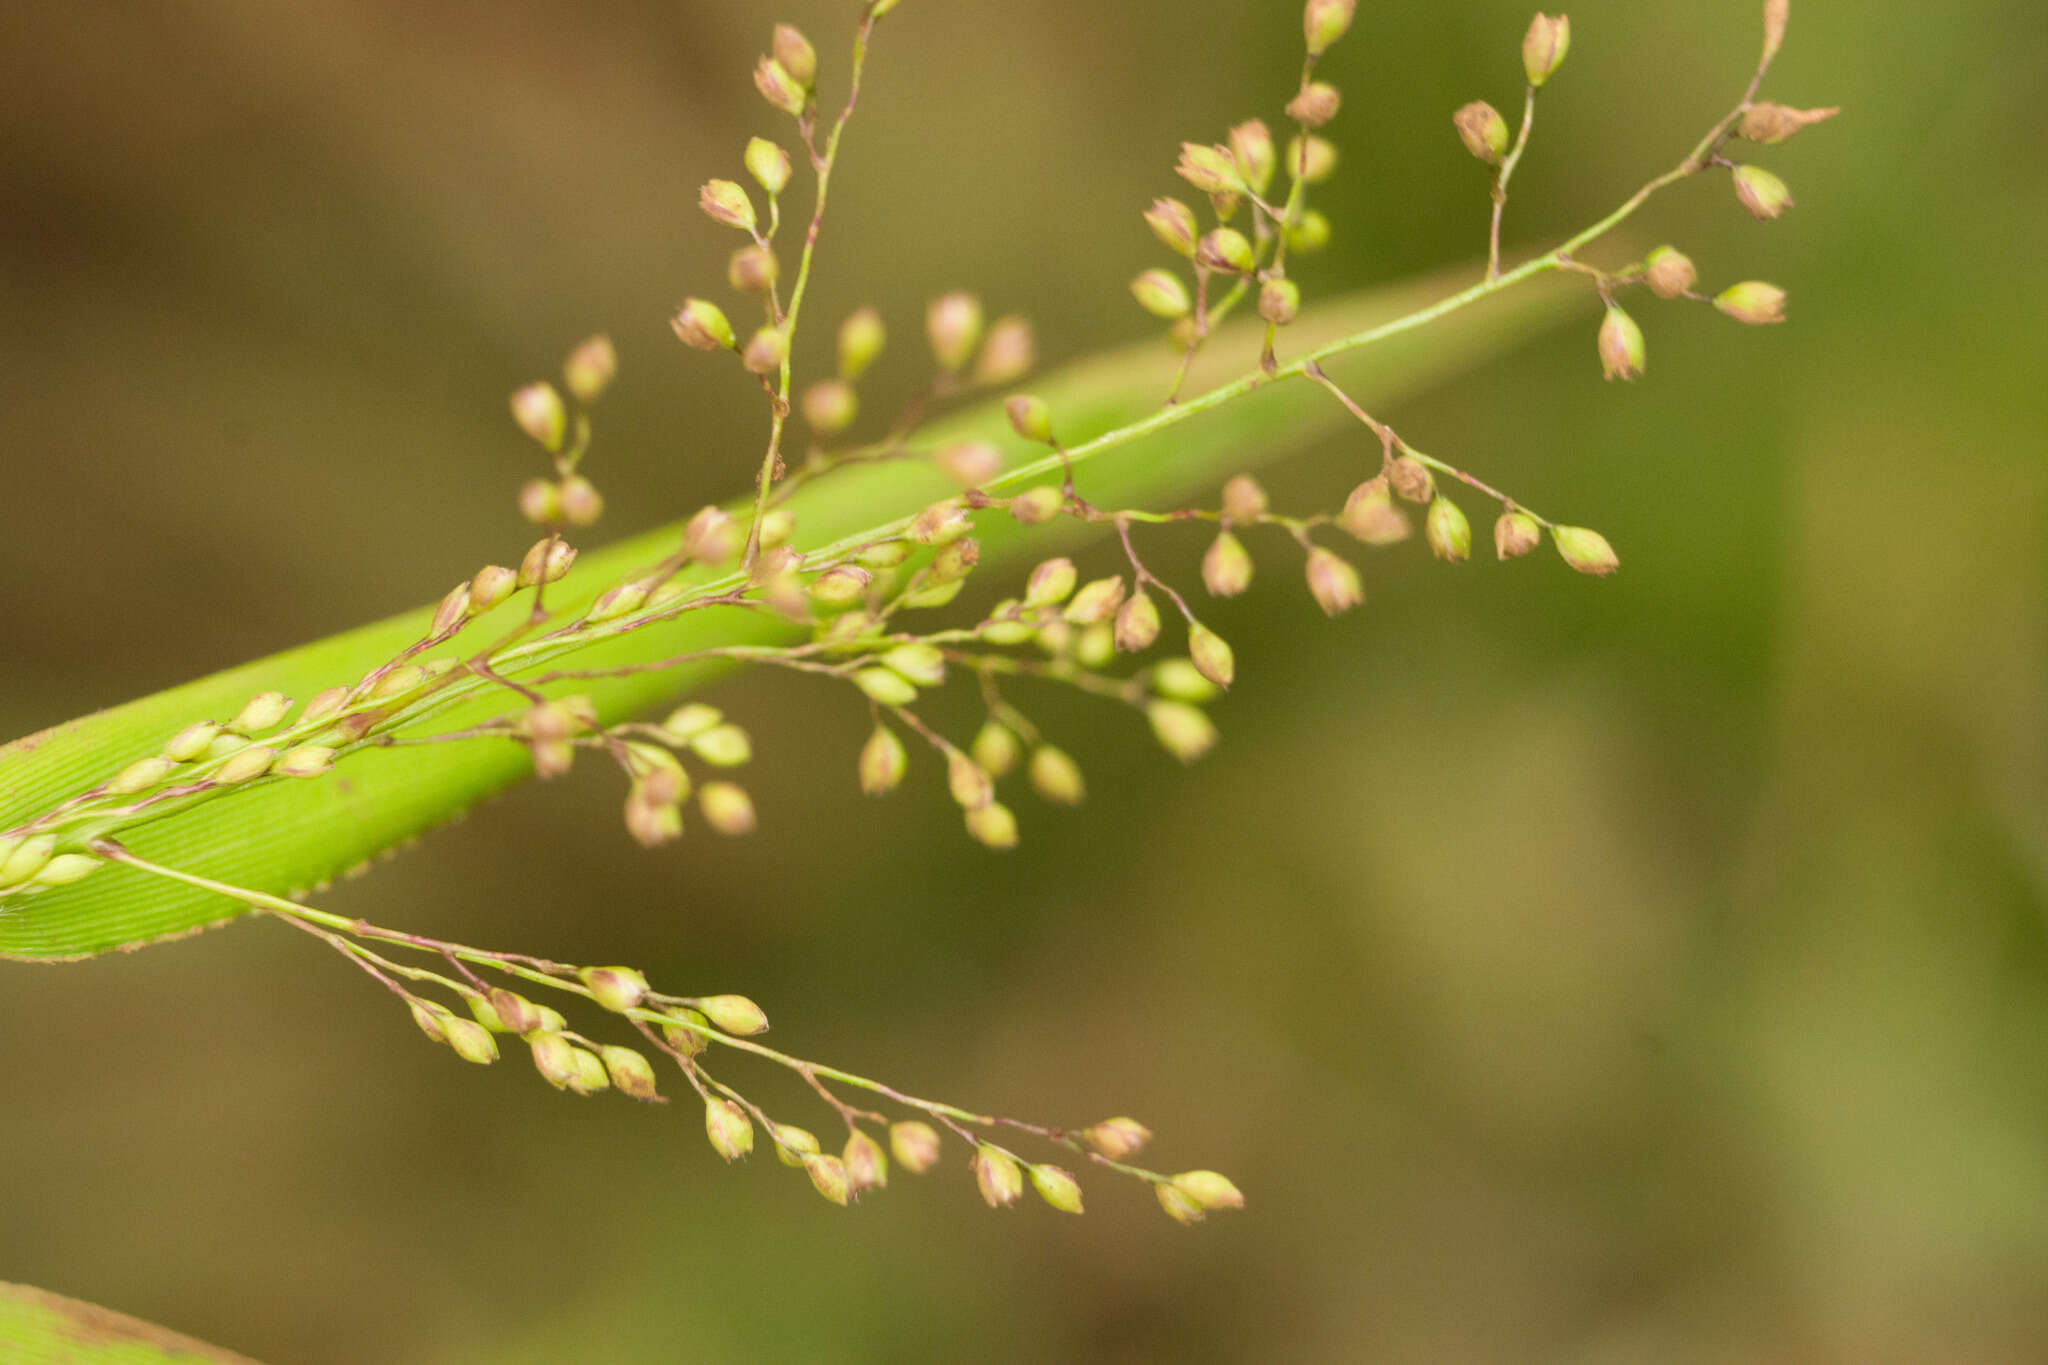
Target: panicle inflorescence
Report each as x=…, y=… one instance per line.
x=852, y=609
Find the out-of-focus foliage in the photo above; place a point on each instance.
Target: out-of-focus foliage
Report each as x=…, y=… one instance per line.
x=1643, y=969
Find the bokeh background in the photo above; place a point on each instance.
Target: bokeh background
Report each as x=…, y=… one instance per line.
x=1648, y=969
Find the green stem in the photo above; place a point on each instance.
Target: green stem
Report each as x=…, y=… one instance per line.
x=780, y=417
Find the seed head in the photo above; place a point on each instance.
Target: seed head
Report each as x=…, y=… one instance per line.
x=472, y=1041
x=1279, y=301
x=246, y=766
x=1762, y=193
x=305, y=760
x=1181, y=730
x=730, y=1130
x=956, y=560
x=968, y=781
x=1209, y=1189
x=1050, y=583
x=1226, y=249
x=882, y=762
x=885, y=686
x=690, y=720
x=1370, y=515
x=1036, y=506
x=778, y=87
x=618, y=989
x=796, y=54
x=539, y=411
x=1030, y=417
x=264, y=711
x=1008, y=354
x=1753, y=302
x=1312, y=161
x=687, y=1037
x=1251, y=147
x=702, y=324
x=1544, y=46
x=1775, y=14
x=1622, y=353
x=830, y=405
x=454, y=608
x=829, y=1178
x=1310, y=235
x=1210, y=169
x=1173, y=223
x=923, y=664
x=1669, y=272
x=1180, y=680
x=841, y=586
x=1137, y=623
x=768, y=164
x=723, y=746
x=613, y=603
x=1483, y=131
x=582, y=504
x=793, y=1144
x=765, y=351
x=953, y=326
x=1515, y=533
x=191, y=742
x=971, y=463
x=940, y=524
x=995, y=748
x=726, y=202
x=753, y=269
x=1315, y=105
x=993, y=825
x=1773, y=123
x=548, y=561
x=1333, y=582
x=1097, y=602
x=540, y=502
x=915, y=1145
x=631, y=1073
x=1056, y=777
x=492, y=585
x=1226, y=566
x=727, y=808
x=1448, y=532
x=65, y=869
x=1212, y=654
x=861, y=338
x=590, y=368
x=867, y=1165
x=1057, y=1187
x=554, y=1057
x=514, y=1012
x=1161, y=293
x=590, y=1076
x=25, y=858
x=141, y=775
x=1323, y=22
x=734, y=1014
x=1119, y=1139
x=1178, y=1205
x=1587, y=551
x=998, y=1176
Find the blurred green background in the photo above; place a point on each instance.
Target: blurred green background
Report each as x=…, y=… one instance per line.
x=1648, y=969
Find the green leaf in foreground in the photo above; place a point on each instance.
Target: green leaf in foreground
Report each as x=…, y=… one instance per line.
x=41, y=1328
x=290, y=838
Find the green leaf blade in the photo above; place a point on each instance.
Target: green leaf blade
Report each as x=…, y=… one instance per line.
x=290, y=837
